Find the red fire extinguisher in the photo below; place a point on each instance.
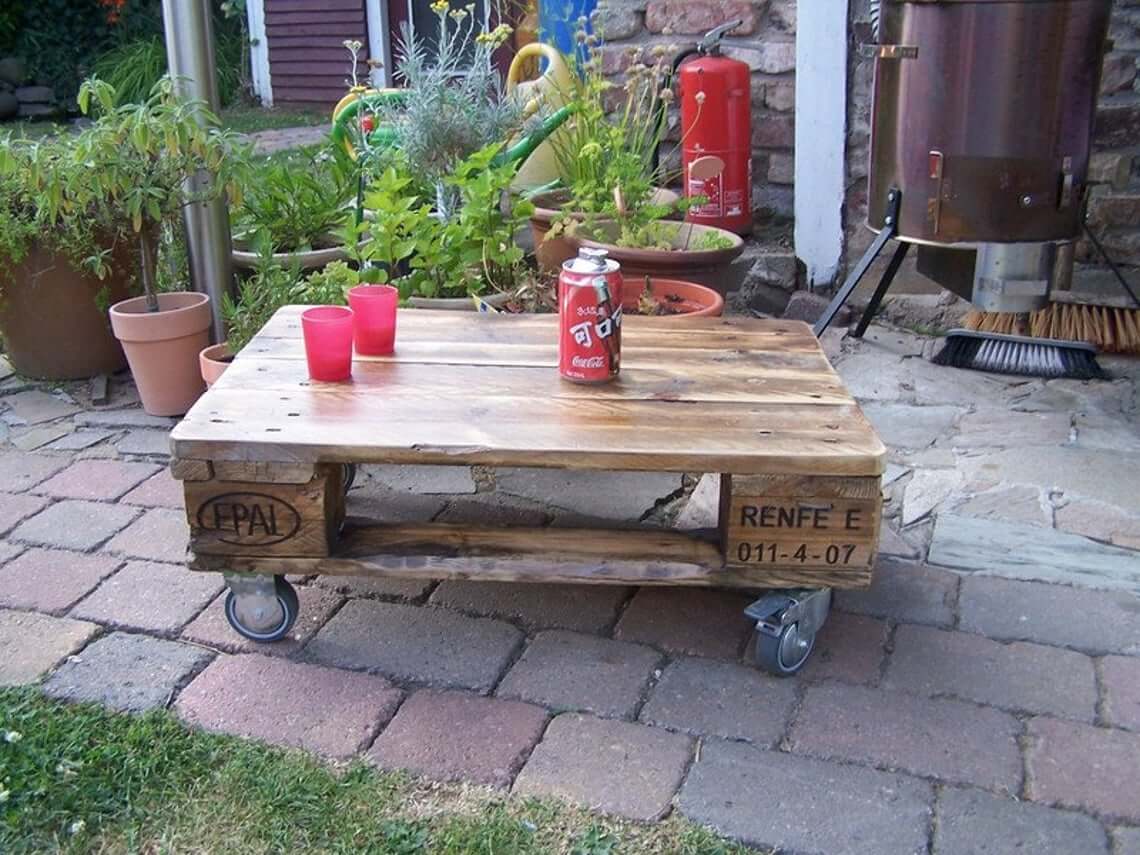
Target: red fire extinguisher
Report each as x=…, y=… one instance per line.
x=716, y=129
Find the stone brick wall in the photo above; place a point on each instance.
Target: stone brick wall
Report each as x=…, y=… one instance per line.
x=1114, y=207
x=766, y=41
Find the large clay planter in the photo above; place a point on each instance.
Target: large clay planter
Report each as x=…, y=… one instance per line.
x=162, y=348
x=705, y=266
x=313, y=259
x=547, y=206
x=53, y=325
x=213, y=362
x=684, y=299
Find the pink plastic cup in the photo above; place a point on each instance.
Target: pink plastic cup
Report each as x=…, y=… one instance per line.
x=374, y=321
x=328, y=342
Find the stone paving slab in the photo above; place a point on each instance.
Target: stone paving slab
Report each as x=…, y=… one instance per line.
x=33, y=406
x=709, y=698
x=32, y=644
x=1089, y=768
x=691, y=621
x=22, y=471
x=8, y=551
x=800, y=804
x=972, y=821
x=1100, y=521
x=213, y=629
x=494, y=510
x=582, y=608
x=421, y=479
x=1126, y=841
x=80, y=440
x=1015, y=676
x=1018, y=551
x=29, y=439
x=124, y=418
x=610, y=766
x=72, y=524
x=1120, y=677
x=52, y=580
x=451, y=736
x=159, y=534
x=419, y=645
x=150, y=597
x=16, y=507
x=598, y=494
x=572, y=671
x=903, y=426
x=331, y=712
x=130, y=673
x=147, y=442
x=380, y=504
x=914, y=734
x=1020, y=504
x=384, y=587
x=158, y=491
x=849, y=647
x=1108, y=622
x=905, y=591
x=96, y=480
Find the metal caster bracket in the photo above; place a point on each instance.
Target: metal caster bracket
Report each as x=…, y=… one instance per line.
x=786, y=626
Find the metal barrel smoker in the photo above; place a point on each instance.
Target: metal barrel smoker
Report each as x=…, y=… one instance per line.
x=981, y=120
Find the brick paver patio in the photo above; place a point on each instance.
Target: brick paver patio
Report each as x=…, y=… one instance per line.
x=989, y=704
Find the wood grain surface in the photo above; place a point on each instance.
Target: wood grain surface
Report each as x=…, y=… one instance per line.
x=733, y=395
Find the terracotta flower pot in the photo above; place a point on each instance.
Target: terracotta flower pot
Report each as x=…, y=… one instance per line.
x=705, y=266
x=213, y=361
x=51, y=319
x=458, y=304
x=679, y=299
x=313, y=259
x=547, y=206
x=162, y=348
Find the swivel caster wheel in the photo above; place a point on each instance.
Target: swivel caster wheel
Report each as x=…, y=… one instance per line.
x=783, y=652
x=262, y=610
x=786, y=626
x=349, y=476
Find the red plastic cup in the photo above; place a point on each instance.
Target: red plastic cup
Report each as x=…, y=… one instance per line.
x=374, y=321
x=328, y=342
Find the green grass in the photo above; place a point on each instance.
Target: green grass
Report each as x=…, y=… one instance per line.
x=81, y=779
x=248, y=118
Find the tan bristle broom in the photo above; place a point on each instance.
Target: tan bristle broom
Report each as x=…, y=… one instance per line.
x=1109, y=329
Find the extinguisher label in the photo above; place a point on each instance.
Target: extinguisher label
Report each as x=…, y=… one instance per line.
x=712, y=190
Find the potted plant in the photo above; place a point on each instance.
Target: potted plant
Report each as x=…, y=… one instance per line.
x=135, y=159
x=438, y=260
x=301, y=206
x=670, y=298
x=59, y=269
x=611, y=141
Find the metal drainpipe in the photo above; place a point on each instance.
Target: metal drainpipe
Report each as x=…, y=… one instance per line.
x=190, y=55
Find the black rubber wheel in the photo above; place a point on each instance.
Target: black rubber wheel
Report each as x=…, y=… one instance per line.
x=785, y=654
x=290, y=608
x=349, y=476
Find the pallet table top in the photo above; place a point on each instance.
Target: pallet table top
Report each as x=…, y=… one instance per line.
x=730, y=395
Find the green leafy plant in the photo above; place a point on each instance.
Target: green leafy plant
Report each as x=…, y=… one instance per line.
x=471, y=251
x=134, y=67
x=298, y=206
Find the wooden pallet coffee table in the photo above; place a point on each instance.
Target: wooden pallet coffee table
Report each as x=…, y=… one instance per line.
x=266, y=453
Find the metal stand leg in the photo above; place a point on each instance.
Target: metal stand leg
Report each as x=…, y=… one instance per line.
x=890, y=225
x=884, y=283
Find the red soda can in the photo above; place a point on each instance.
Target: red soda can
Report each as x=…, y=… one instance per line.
x=589, y=312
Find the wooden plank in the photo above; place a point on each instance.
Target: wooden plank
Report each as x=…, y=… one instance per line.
x=264, y=472
x=344, y=31
x=265, y=518
x=327, y=16
x=810, y=523
x=629, y=561
x=191, y=470
x=273, y=7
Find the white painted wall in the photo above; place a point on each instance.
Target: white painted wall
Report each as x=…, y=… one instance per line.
x=821, y=134
x=379, y=45
x=259, y=52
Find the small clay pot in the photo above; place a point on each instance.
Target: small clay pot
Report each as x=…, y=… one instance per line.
x=162, y=348
x=684, y=299
x=213, y=361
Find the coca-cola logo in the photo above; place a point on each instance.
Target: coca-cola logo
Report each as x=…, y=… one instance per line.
x=588, y=362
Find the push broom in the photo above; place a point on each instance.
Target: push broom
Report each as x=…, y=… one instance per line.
x=1059, y=340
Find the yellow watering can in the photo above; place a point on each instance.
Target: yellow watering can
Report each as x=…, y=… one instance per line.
x=553, y=88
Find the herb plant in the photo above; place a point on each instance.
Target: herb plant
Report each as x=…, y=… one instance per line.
x=298, y=206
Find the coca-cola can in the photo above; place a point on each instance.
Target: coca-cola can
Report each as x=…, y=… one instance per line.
x=589, y=311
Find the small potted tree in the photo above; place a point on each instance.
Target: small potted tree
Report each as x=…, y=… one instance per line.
x=138, y=157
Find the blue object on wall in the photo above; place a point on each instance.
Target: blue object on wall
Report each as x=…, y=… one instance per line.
x=558, y=21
